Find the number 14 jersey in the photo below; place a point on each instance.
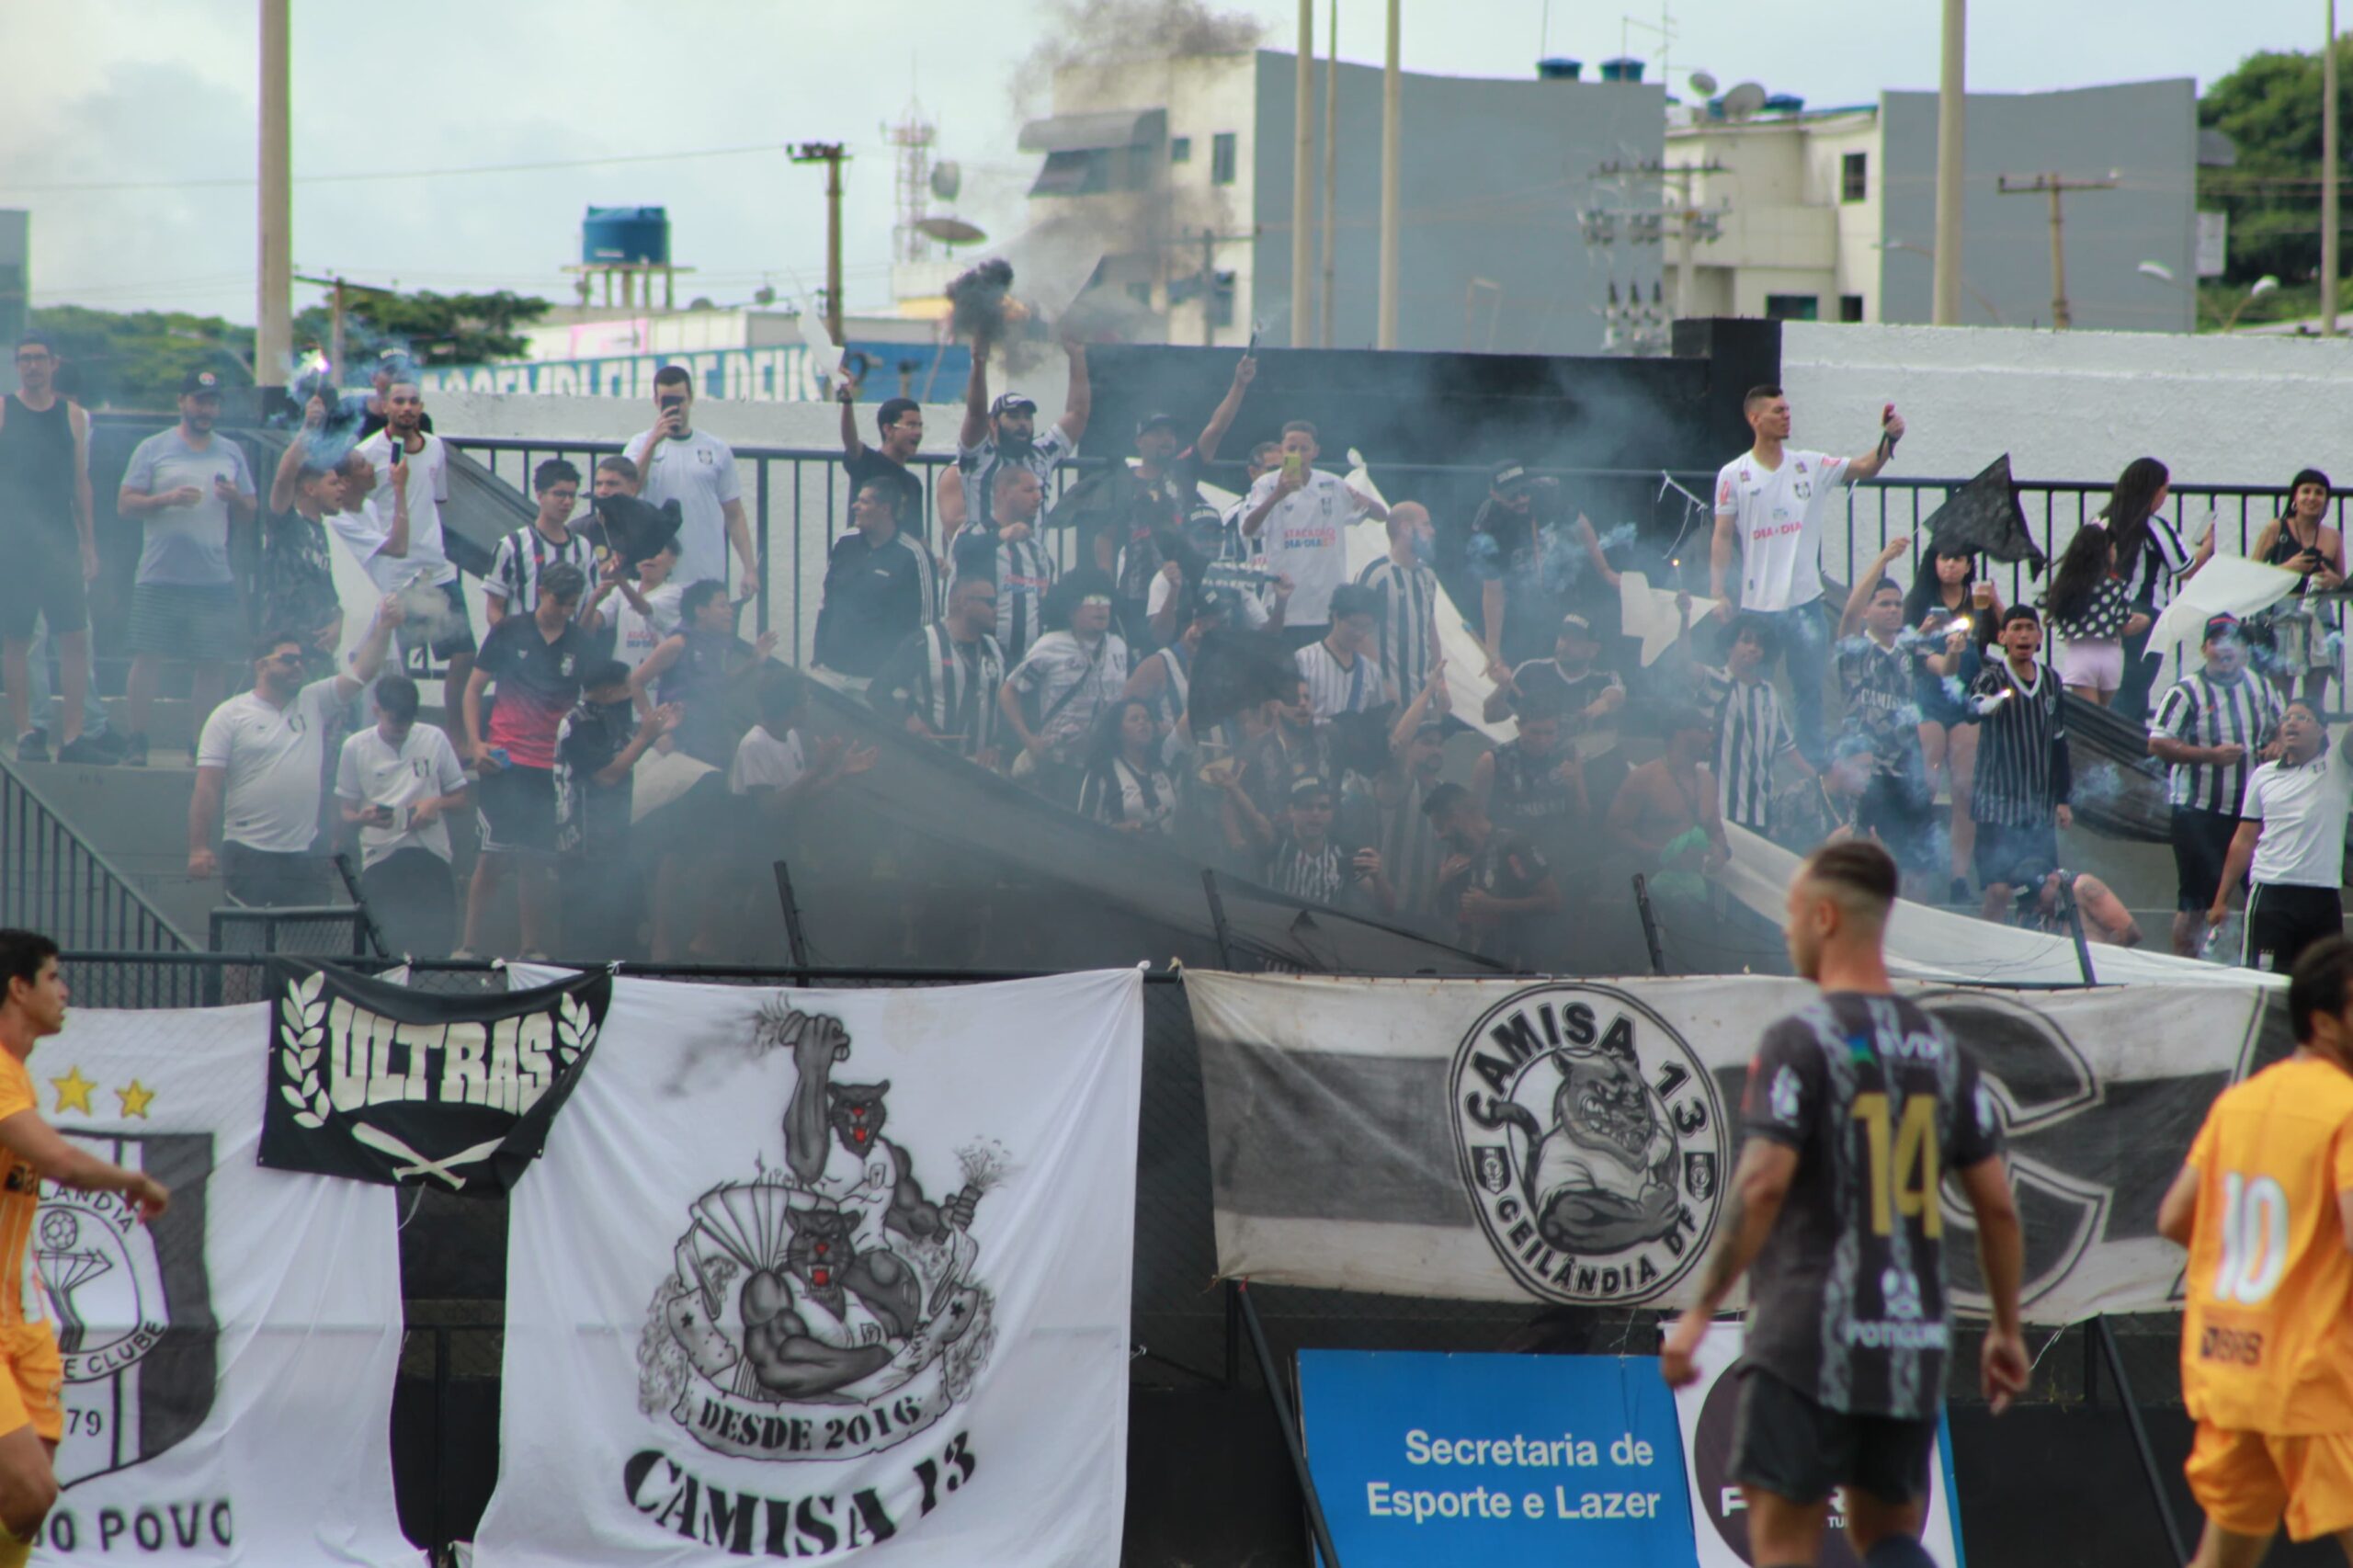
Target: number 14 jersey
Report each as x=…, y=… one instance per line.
x=2266, y=1333
x=1848, y=1297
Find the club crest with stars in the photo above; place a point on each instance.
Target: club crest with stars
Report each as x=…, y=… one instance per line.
x=130, y=1301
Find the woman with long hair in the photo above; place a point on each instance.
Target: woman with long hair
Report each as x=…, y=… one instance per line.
x=1126, y=786
x=2298, y=540
x=2086, y=605
x=2151, y=557
x=1946, y=596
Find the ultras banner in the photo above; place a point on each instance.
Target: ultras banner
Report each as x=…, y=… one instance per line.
x=1568, y=1141
x=822, y=1274
x=228, y=1368
x=379, y=1083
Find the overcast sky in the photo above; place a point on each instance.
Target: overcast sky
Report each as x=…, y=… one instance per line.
x=161, y=96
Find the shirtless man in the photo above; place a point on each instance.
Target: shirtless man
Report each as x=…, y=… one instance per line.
x=1667, y=809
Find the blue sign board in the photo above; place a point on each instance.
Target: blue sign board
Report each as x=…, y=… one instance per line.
x=1429, y=1461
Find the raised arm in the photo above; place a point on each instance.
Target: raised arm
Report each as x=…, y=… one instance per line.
x=847, y=395
x=289, y=465
x=1872, y=463
x=1081, y=402
x=1221, y=417
x=976, y=397
x=367, y=659
x=1858, y=598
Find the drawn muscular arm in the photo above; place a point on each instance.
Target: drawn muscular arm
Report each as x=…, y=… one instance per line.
x=1591, y=1220
x=912, y=1214
x=816, y=1048
x=801, y=1367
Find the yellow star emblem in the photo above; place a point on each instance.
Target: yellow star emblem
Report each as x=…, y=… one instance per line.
x=74, y=1092
x=134, y=1100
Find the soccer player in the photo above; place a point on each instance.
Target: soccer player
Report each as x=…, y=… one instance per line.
x=32, y=1418
x=2265, y=1206
x=1857, y=1107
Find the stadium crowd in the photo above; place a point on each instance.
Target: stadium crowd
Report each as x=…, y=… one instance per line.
x=1209, y=675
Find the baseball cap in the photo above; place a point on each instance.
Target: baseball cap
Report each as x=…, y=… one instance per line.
x=1011, y=402
x=1577, y=623
x=1154, y=421
x=1430, y=728
x=1309, y=784
x=201, y=383
x=2223, y=625
x=1212, y=602
x=1509, y=474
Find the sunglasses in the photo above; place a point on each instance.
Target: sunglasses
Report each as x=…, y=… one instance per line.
x=1095, y=599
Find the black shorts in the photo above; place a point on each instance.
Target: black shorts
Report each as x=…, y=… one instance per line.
x=44, y=577
x=267, y=879
x=1790, y=1446
x=2016, y=856
x=2202, y=842
x=446, y=631
x=2282, y=920
x=201, y=622
x=518, y=810
x=1900, y=810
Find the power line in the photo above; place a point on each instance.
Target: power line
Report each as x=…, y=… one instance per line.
x=233, y=182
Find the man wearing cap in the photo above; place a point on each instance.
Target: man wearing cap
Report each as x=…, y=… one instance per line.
x=2210, y=730
x=1770, y=502
x=1141, y=541
x=1531, y=549
x=45, y=525
x=1299, y=514
x=1585, y=698
x=1005, y=432
x=187, y=486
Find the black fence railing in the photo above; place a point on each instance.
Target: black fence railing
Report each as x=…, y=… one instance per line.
x=53, y=880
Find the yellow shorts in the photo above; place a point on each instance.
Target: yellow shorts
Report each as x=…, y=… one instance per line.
x=2245, y=1481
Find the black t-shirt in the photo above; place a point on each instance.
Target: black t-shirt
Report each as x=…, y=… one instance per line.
x=537, y=682
x=1509, y=866
x=1540, y=558
x=1849, y=1301
x=870, y=464
x=590, y=816
x=1572, y=694
x=295, y=585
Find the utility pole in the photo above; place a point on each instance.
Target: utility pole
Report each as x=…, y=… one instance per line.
x=274, y=307
x=336, y=289
x=1331, y=167
x=2056, y=187
x=1391, y=203
x=1952, y=111
x=1209, y=287
x=833, y=156
x=1692, y=225
x=1302, y=188
x=2328, y=268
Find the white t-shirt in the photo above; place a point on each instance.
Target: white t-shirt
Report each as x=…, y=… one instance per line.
x=276, y=759
x=1303, y=538
x=698, y=472
x=186, y=544
x=364, y=532
x=373, y=772
x=1777, y=514
x=637, y=635
x=2302, y=812
x=763, y=762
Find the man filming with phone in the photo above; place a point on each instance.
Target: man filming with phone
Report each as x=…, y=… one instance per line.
x=677, y=462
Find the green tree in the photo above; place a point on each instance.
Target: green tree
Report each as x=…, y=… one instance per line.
x=434, y=329
x=2271, y=108
x=135, y=359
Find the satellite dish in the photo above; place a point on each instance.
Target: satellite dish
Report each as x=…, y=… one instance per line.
x=950, y=230
x=946, y=179
x=1704, y=83
x=1744, y=100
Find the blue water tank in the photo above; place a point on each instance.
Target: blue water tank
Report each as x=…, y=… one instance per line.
x=623, y=236
x=1625, y=68
x=1558, y=68
x=1784, y=103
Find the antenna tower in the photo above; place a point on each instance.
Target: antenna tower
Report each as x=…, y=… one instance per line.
x=911, y=139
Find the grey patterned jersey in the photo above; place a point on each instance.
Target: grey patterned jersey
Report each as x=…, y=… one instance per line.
x=1848, y=1295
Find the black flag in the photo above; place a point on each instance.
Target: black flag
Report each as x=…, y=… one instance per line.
x=1983, y=516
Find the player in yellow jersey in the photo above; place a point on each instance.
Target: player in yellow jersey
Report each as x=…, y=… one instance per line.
x=2265, y=1207
x=32, y=1152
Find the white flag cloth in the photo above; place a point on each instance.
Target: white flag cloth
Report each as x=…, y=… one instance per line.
x=1651, y=614
x=816, y=1273
x=2227, y=584
x=229, y=1368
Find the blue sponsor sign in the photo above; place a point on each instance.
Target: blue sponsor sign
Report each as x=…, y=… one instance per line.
x=1426, y=1460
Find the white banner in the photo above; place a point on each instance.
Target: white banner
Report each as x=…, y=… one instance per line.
x=1389, y=1135
x=806, y=1274
x=228, y=1368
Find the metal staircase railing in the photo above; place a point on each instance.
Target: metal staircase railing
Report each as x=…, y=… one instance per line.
x=53, y=881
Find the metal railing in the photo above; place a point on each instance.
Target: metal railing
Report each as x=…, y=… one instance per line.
x=52, y=880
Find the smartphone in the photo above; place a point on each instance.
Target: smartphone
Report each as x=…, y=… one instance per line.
x=1294, y=466
x=400, y=450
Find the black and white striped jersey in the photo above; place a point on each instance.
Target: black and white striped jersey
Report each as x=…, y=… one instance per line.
x=1408, y=621
x=1751, y=735
x=2201, y=710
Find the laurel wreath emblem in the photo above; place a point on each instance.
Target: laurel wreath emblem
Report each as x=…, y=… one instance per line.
x=301, y=1037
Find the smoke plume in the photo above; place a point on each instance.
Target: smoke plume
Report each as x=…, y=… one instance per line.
x=1090, y=32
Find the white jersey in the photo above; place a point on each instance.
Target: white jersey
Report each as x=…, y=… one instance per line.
x=698, y=471
x=275, y=760
x=429, y=490
x=1777, y=514
x=2302, y=811
x=1304, y=539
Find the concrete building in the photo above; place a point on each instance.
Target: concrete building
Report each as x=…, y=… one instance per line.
x=1183, y=168
x=1830, y=215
